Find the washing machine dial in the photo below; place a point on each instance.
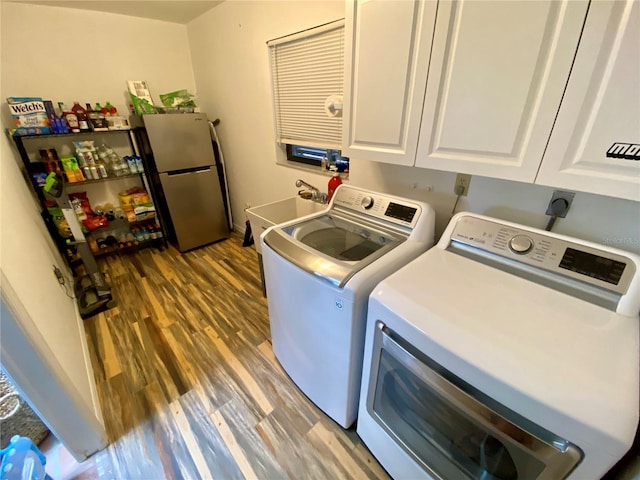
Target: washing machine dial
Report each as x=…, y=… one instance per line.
x=366, y=203
x=520, y=244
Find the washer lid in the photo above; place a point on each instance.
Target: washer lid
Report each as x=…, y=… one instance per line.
x=332, y=246
x=560, y=361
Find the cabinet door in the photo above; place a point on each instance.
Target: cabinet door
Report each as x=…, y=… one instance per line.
x=600, y=108
x=497, y=73
x=387, y=48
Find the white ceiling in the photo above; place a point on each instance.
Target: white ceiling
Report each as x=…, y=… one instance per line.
x=177, y=11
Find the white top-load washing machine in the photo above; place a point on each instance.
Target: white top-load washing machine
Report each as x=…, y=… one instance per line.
x=505, y=352
x=319, y=272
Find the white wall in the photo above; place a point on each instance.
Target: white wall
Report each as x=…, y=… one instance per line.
x=605, y=220
x=65, y=54
x=232, y=74
x=231, y=67
x=43, y=55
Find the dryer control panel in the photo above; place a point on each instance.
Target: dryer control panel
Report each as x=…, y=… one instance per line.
x=547, y=251
x=391, y=209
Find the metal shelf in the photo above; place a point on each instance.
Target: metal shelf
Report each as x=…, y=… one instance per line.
x=85, y=182
x=70, y=134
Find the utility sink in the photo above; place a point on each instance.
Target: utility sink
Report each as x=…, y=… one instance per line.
x=269, y=214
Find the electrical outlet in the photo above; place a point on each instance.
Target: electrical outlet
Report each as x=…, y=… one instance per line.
x=559, y=203
x=461, y=186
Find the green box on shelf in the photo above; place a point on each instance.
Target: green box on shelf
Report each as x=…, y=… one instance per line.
x=141, y=97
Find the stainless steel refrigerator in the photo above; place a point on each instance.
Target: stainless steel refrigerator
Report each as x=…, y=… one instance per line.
x=183, y=163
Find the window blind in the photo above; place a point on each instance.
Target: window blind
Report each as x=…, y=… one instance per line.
x=307, y=70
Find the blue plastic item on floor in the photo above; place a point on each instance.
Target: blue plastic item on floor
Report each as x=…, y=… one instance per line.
x=21, y=460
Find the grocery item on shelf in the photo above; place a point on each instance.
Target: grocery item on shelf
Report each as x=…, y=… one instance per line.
x=117, y=122
x=125, y=199
x=49, y=157
x=35, y=116
x=81, y=114
x=180, y=99
x=58, y=125
x=109, y=211
x=116, y=165
x=39, y=178
x=59, y=221
x=140, y=96
x=70, y=117
x=72, y=169
x=109, y=109
x=94, y=222
x=136, y=204
x=140, y=197
x=135, y=163
x=93, y=245
x=118, y=212
x=119, y=236
x=97, y=120
x=81, y=205
x=85, y=152
x=29, y=116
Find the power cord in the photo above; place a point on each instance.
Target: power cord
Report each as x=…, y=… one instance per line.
x=458, y=191
x=558, y=208
x=62, y=281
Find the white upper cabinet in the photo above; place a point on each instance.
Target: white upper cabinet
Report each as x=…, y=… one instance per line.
x=601, y=107
x=496, y=78
x=387, y=48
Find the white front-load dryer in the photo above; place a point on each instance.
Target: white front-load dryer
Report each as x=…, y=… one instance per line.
x=505, y=352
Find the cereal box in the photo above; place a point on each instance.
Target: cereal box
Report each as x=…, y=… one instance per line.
x=29, y=116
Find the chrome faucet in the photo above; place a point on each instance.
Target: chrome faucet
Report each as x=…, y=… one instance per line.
x=316, y=195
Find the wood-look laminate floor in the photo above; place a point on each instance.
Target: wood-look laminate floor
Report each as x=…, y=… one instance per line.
x=188, y=382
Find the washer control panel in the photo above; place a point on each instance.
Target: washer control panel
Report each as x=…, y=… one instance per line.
x=520, y=244
x=388, y=208
x=544, y=250
x=367, y=202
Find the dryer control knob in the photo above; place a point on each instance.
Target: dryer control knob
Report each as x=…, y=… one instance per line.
x=520, y=244
x=367, y=203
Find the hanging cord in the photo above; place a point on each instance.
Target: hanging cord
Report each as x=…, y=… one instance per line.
x=62, y=280
x=459, y=191
x=551, y=223
x=453, y=210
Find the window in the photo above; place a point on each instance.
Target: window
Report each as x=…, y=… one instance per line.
x=307, y=70
x=333, y=161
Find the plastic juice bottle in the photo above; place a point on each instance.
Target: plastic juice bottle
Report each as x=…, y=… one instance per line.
x=81, y=114
x=334, y=182
x=110, y=109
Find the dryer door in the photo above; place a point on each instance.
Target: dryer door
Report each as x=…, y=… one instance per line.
x=451, y=429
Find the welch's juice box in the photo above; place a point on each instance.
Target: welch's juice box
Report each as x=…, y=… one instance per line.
x=29, y=116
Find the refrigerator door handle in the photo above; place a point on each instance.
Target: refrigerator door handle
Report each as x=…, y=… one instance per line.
x=176, y=173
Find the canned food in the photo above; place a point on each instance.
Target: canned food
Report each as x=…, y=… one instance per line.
x=125, y=199
x=102, y=171
x=139, y=198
